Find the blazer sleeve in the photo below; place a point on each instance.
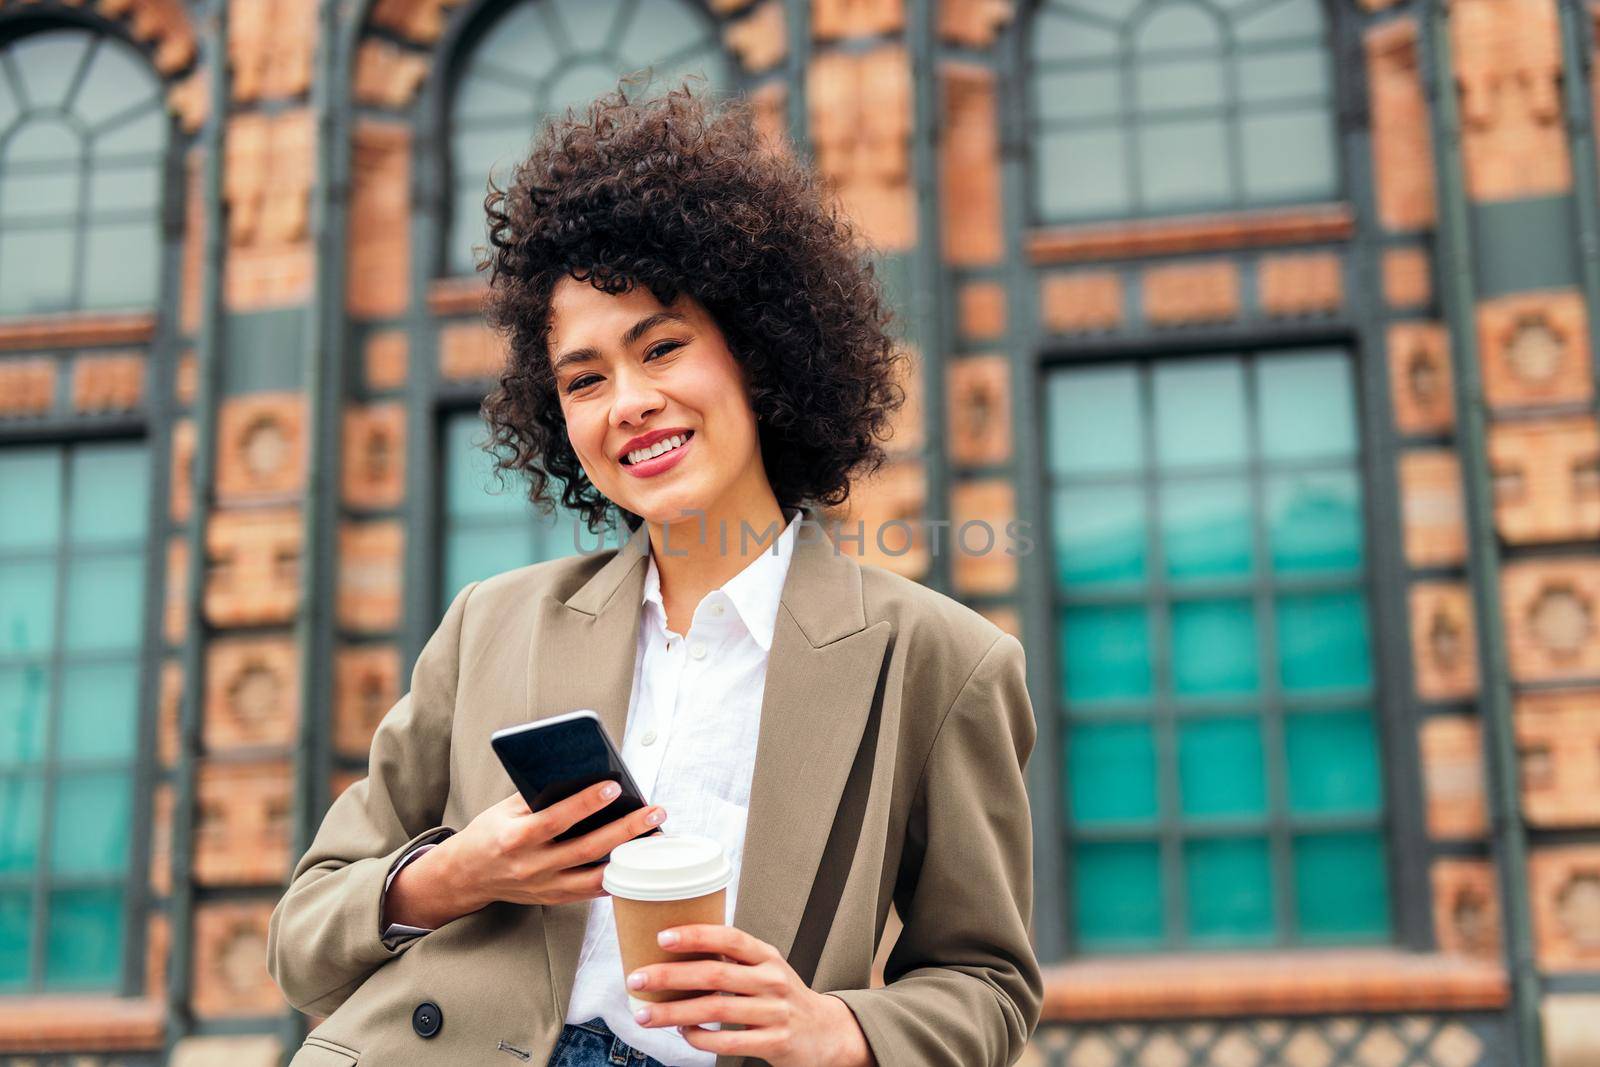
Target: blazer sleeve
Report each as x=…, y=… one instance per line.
x=325, y=935
x=963, y=987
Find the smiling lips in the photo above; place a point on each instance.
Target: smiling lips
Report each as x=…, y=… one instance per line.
x=658, y=456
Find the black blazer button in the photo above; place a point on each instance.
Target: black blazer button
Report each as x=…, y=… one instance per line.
x=427, y=1019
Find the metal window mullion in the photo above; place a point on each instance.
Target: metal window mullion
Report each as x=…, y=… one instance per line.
x=52, y=740
x=1280, y=842
x=1127, y=117
x=1233, y=117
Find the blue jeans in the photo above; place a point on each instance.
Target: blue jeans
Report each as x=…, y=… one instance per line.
x=592, y=1044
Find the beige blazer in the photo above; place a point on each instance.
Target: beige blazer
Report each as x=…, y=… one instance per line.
x=895, y=727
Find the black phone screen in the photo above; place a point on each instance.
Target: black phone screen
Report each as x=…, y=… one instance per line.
x=549, y=763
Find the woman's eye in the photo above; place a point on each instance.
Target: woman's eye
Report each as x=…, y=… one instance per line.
x=579, y=383
x=664, y=347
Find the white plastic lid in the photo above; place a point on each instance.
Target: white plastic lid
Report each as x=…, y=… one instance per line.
x=662, y=867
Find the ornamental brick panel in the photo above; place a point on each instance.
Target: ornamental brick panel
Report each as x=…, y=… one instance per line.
x=1085, y=301
x=169, y=708
x=1466, y=908
x=1444, y=651
x=181, y=505
x=384, y=360
x=1432, y=507
x=1565, y=884
x=163, y=24
x=252, y=693
x=981, y=311
x=1402, y=149
x=979, y=420
x=974, y=23
x=175, y=608
x=243, y=819
x=387, y=75
x=230, y=970
x=1420, y=377
x=1546, y=480
x=969, y=166
x=108, y=383
x=366, y=686
x=261, y=448
x=1453, y=777
x=193, y=265
x=979, y=561
x=186, y=381
x=270, y=46
x=1181, y=294
x=162, y=803
x=1534, y=349
x=762, y=39
x=374, y=456
x=421, y=21
x=470, y=351
x=1558, y=745
x=378, y=283
x=1407, y=278
x=833, y=19
x=27, y=387
x=370, y=563
x=267, y=179
x=887, y=508
x=253, y=577
x=860, y=112
x=1552, y=618
x=770, y=106
x=1301, y=284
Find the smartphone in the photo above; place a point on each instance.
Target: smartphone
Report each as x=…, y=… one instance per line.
x=551, y=759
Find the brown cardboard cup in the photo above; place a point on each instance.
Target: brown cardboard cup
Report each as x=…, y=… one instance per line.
x=659, y=882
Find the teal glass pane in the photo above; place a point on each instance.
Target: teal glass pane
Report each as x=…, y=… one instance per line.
x=22, y=801
x=24, y=702
x=1111, y=771
x=1202, y=176
x=1095, y=425
x=1099, y=535
x=562, y=534
x=99, y=711
x=585, y=23
x=1230, y=899
x=1333, y=763
x=118, y=79
x=119, y=265
x=1323, y=642
x=471, y=555
x=110, y=493
x=132, y=187
x=1314, y=522
x=27, y=606
x=36, y=269
x=16, y=937
x=1082, y=173
x=27, y=195
x=133, y=136
x=83, y=948
x=1214, y=648
x=45, y=139
x=472, y=488
x=1221, y=769
x=105, y=595
x=89, y=834
x=1076, y=94
x=1341, y=886
x=29, y=498
x=1290, y=21
x=1058, y=34
x=1175, y=25
x=48, y=63
x=1293, y=74
x=1200, y=413
x=1178, y=83
x=1289, y=154
x=1118, y=895
x=522, y=44
x=1205, y=528
x=1105, y=653
x=1307, y=406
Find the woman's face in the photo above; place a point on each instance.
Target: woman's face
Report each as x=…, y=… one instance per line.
x=655, y=404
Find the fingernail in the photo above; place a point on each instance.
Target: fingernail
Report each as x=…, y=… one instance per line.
x=636, y=980
x=610, y=790
x=656, y=818
x=642, y=1016
x=667, y=938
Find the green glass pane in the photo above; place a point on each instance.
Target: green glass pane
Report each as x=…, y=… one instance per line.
x=24, y=702
x=36, y=270
x=22, y=801
x=1314, y=522
x=1178, y=83
x=134, y=136
x=1076, y=94
x=1118, y=895
x=1323, y=642
x=522, y=42
x=1292, y=21
x=118, y=79
x=1307, y=406
x=1111, y=771
x=1205, y=528
x=586, y=22
x=30, y=498
x=561, y=534
x=657, y=32
x=1289, y=154
x=1200, y=413
x=1082, y=174
x=119, y=265
x=581, y=83
x=27, y=606
x=84, y=943
x=1201, y=179
x=1105, y=653
x=89, y=835
x=1221, y=769
x=125, y=188
x=1333, y=763
x=1175, y=25
x=1230, y=891
x=474, y=554
x=105, y=595
x=471, y=486
x=1057, y=34
x=16, y=937
x=48, y=63
x=494, y=95
x=1099, y=535
x=51, y=194
x=1214, y=648
x=44, y=140
x=1284, y=74
x=99, y=711
x=1341, y=886
x=1094, y=421
x=110, y=493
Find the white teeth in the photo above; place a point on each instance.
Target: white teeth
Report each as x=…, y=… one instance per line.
x=639, y=455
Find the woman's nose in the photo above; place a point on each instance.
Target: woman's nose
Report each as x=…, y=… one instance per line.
x=634, y=399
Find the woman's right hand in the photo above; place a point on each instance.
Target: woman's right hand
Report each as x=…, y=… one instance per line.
x=510, y=853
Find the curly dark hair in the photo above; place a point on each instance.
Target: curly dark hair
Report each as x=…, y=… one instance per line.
x=679, y=193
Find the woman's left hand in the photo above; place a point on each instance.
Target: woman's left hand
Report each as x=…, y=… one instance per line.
x=785, y=1022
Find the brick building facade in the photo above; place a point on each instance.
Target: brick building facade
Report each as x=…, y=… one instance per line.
x=1276, y=322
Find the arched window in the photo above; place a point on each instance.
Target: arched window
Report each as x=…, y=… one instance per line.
x=542, y=56
x=1148, y=107
x=83, y=136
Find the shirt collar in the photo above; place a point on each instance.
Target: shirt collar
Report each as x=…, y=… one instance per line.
x=754, y=591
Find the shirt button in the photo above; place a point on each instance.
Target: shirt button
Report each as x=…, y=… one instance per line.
x=698, y=650
x=649, y=738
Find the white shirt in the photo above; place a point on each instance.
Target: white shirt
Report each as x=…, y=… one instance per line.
x=694, y=718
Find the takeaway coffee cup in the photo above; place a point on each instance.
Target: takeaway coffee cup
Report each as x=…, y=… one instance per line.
x=659, y=882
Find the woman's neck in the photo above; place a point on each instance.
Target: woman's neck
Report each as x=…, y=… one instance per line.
x=701, y=552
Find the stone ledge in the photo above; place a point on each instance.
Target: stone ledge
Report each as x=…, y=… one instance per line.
x=1297, y=982
x=81, y=1024
x=1192, y=233
x=76, y=329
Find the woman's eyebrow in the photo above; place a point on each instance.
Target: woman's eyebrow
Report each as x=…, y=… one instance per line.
x=629, y=339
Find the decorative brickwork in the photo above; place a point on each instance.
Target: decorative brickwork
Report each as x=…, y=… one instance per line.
x=374, y=456
x=1420, y=377
x=169, y=705
x=1558, y=743
x=1466, y=908
x=973, y=23
x=387, y=75
x=860, y=110
x=1183, y=293
x=1407, y=278
x=833, y=19
x=182, y=476
x=270, y=45
x=1300, y=285
x=1570, y=1037
x=379, y=279
x=252, y=697
x=1535, y=349
x=254, y=572
x=370, y=558
x=1432, y=507
x=760, y=40
x=108, y=383
x=1006, y=619
x=1402, y=150
x=969, y=166
x=1444, y=647
x=981, y=311
x=267, y=179
x=1565, y=884
x=770, y=104
x=366, y=686
x=384, y=361
x=175, y=606
x=420, y=20
x=230, y=970
x=980, y=514
x=470, y=350
x=1452, y=777
x=889, y=507
x=1546, y=480
x=27, y=387
x=161, y=23
x=242, y=823
x=1552, y=618
x=1211, y=232
x=1081, y=302
x=162, y=802
x=979, y=420
x=192, y=267
x=261, y=447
